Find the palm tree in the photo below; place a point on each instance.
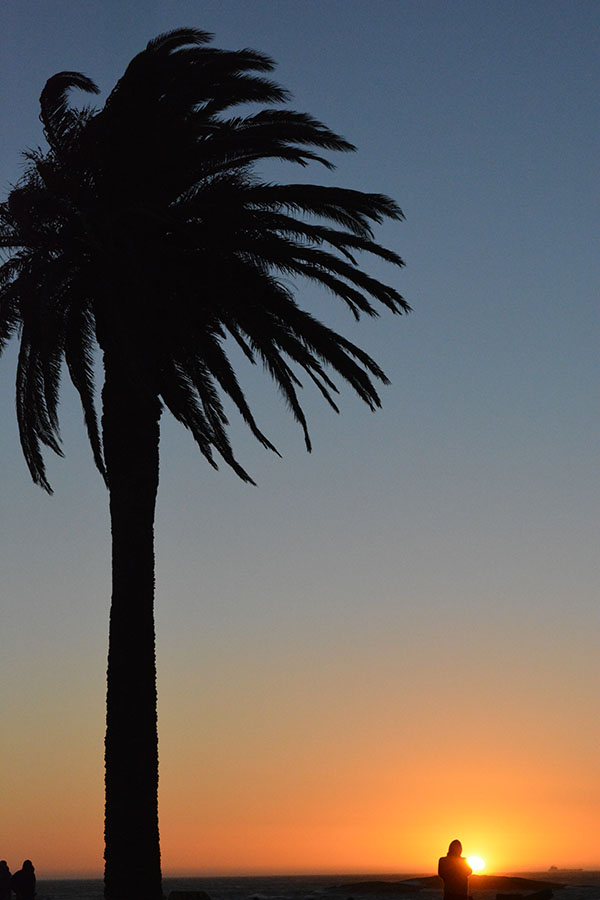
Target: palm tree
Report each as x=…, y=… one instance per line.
x=143, y=231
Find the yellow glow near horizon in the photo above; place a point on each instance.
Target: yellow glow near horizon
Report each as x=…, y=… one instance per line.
x=476, y=863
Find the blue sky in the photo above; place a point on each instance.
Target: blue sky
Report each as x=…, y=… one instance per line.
x=442, y=541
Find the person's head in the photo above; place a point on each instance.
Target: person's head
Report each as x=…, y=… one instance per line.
x=3, y=864
x=455, y=848
x=28, y=865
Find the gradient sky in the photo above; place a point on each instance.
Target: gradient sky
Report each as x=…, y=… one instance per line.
x=391, y=642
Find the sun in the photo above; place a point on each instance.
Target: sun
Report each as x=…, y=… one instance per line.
x=476, y=863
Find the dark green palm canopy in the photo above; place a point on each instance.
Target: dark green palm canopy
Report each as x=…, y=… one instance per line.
x=143, y=229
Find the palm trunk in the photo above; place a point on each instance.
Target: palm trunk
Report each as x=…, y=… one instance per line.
x=130, y=425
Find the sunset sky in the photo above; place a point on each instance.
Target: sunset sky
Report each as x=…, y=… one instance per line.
x=391, y=642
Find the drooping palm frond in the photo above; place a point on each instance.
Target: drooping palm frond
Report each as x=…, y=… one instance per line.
x=37, y=424
x=58, y=119
x=42, y=228
x=80, y=344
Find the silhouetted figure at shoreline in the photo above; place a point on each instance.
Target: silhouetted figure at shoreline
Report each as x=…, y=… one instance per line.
x=455, y=870
x=5, y=888
x=23, y=882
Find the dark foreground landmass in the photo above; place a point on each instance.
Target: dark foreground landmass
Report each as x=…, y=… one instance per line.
x=580, y=885
x=477, y=883
x=495, y=883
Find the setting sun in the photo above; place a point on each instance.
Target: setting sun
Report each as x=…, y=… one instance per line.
x=476, y=863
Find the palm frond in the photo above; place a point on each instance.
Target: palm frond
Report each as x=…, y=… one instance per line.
x=240, y=88
x=286, y=381
x=183, y=401
x=316, y=234
x=79, y=356
x=351, y=209
x=178, y=37
x=55, y=114
x=283, y=126
x=34, y=422
x=9, y=301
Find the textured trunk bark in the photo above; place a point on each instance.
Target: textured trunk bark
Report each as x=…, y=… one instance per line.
x=130, y=426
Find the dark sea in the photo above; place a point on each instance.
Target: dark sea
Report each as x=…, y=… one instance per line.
x=579, y=886
x=290, y=887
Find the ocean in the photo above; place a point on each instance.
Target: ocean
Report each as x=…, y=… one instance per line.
x=292, y=887
x=579, y=886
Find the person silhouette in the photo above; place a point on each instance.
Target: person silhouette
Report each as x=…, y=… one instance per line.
x=5, y=888
x=23, y=882
x=455, y=870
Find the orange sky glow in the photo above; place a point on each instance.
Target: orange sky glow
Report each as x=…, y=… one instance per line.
x=320, y=788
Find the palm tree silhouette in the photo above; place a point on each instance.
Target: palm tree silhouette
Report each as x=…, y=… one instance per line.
x=143, y=231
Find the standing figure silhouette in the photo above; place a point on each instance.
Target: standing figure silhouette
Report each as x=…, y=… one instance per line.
x=455, y=870
x=23, y=882
x=5, y=888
